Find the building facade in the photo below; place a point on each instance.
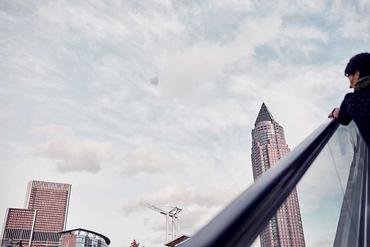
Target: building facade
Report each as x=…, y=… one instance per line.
x=83, y=238
x=268, y=146
x=44, y=217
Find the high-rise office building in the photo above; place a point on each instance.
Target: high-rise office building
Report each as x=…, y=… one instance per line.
x=43, y=219
x=268, y=146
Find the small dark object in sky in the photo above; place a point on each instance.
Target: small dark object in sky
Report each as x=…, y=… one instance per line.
x=154, y=80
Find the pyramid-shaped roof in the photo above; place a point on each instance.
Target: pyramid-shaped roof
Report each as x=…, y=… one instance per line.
x=264, y=115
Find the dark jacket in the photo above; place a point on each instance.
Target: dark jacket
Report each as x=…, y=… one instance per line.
x=356, y=107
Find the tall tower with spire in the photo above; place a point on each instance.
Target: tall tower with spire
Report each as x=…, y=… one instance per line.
x=268, y=146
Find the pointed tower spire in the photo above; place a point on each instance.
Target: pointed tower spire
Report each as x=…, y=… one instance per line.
x=264, y=115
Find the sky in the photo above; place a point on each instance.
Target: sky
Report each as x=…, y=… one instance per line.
x=137, y=102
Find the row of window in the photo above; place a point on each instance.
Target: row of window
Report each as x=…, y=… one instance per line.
x=16, y=234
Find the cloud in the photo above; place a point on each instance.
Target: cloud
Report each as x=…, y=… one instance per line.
x=355, y=23
x=148, y=161
x=185, y=141
x=210, y=197
x=69, y=152
x=51, y=131
x=299, y=39
x=353, y=19
x=188, y=69
x=233, y=5
x=86, y=19
x=6, y=114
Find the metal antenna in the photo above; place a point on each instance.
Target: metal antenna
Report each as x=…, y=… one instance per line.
x=172, y=225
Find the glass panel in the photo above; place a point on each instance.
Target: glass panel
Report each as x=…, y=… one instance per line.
x=351, y=226
x=321, y=190
x=256, y=242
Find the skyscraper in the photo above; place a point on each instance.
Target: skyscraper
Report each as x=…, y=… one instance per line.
x=43, y=219
x=268, y=146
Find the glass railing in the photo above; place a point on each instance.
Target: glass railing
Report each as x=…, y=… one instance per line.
x=353, y=225
x=321, y=190
x=328, y=169
x=333, y=192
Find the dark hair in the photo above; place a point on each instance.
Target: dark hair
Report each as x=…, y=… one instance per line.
x=360, y=63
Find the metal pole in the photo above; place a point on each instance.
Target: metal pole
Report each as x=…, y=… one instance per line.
x=173, y=228
x=32, y=229
x=177, y=225
x=166, y=227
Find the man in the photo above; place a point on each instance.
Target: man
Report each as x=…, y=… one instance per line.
x=356, y=105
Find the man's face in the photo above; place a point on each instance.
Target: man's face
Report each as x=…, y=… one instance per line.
x=353, y=79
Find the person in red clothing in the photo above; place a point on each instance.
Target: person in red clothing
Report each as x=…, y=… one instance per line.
x=356, y=105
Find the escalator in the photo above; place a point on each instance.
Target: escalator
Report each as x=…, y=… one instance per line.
x=330, y=171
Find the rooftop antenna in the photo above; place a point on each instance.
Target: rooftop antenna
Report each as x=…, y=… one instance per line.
x=172, y=219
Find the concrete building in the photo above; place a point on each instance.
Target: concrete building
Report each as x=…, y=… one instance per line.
x=268, y=146
x=83, y=238
x=44, y=217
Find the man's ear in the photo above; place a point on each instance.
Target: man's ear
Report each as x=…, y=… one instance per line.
x=357, y=75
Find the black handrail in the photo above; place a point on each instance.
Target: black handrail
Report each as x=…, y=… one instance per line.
x=239, y=224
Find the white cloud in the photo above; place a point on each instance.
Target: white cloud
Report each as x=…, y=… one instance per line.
x=51, y=131
x=189, y=69
x=310, y=6
x=353, y=19
x=148, y=161
x=6, y=114
x=185, y=141
x=234, y=5
x=298, y=41
x=88, y=20
x=70, y=153
x=355, y=26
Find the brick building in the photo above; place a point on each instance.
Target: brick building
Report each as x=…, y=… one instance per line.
x=42, y=220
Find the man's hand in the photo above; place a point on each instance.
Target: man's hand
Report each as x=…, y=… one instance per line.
x=334, y=113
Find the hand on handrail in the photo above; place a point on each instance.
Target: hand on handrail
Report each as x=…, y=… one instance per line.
x=334, y=113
